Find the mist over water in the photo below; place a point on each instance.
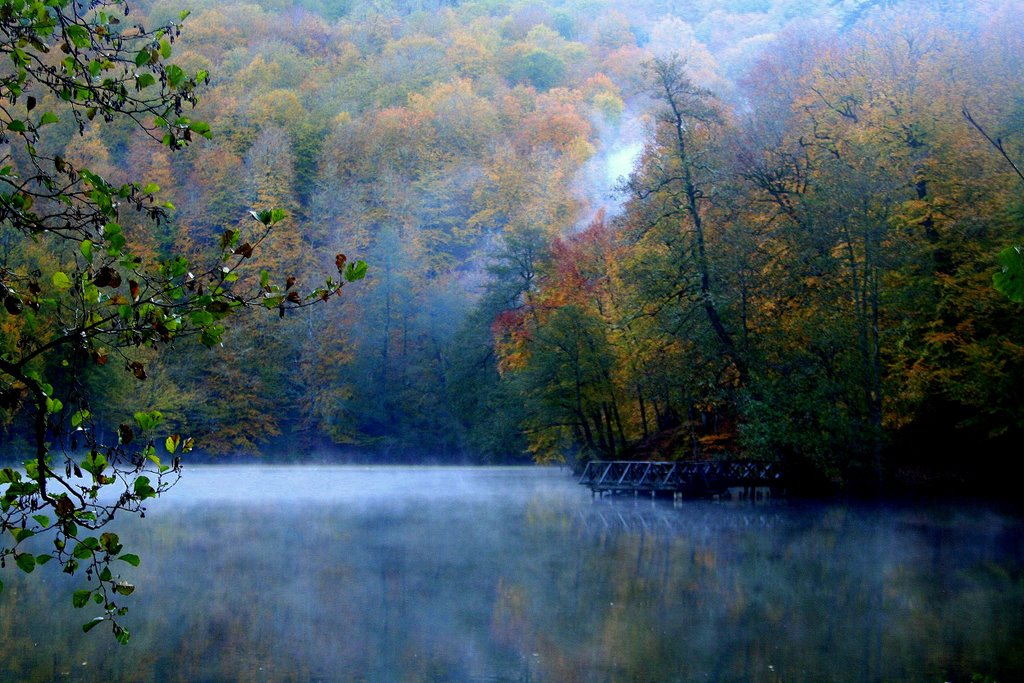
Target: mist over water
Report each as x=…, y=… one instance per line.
x=455, y=574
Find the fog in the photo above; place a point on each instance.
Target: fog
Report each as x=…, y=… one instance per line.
x=386, y=574
x=602, y=179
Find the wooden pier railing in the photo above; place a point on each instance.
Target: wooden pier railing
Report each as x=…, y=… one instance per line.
x=687, y=478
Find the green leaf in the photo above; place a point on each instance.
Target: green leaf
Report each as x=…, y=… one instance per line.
x=48, y=117
x=79, y=417
x=175, y=75
x=355, y=270
x=115, y=244
x=17, y=125
x=147, y=421
x=82, y=551
x=54, y=405
x=110, y=542
x=124, y=588
x=145, y=80
x=1009, y=280
x=78, y=35
x=61, y=281
x=211, y=336
x=90, y=625
x=202, y=128
x=43, y=559
x=121, y=633
x=26, y=562
x=42, y=520
x=143, y=57
x=171, y=444
x=133, y=560
x=86, y=248
x=165, y=48
x=142, y=488
x=80, y=598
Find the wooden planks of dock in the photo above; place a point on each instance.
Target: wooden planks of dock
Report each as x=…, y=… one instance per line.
x=684, y=478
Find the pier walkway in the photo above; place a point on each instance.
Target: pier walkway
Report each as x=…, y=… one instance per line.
x=684, y=478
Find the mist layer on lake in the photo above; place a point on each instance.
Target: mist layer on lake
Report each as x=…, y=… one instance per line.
x=515, y=574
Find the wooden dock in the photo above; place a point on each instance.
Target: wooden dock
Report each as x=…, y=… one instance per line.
x=684, y=478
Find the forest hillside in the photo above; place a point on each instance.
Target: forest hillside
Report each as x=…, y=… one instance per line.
x=686, y=230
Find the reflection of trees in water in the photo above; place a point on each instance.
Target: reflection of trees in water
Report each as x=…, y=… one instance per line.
x=766, y=593
x=657, y=518
x=551, y=589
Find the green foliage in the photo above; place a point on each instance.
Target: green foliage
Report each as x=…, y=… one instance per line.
x=1010, y=278
x=355, y=271
x=539, y=68
x=148, y=421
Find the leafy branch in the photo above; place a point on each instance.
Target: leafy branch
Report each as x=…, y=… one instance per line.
x=94, y=298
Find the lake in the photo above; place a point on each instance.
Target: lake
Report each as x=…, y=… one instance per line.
x=263, y=573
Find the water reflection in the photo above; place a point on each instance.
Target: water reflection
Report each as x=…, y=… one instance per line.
x=514, y=575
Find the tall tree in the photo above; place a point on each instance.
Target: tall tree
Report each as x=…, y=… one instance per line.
x=689, y=125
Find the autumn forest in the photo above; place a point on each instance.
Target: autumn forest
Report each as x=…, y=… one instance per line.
x=682, y=229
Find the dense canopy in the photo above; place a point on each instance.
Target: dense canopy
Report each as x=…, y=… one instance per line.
x=799, y=266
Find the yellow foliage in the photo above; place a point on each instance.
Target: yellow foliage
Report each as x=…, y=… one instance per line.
x=610, y=105
x=278, y=108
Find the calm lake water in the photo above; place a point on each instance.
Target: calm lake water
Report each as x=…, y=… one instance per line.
x=460, y=574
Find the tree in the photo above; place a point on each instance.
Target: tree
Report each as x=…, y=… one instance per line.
x=689, y=121
x=683, y=307
x=567, y=386
x=78, y=297
x=538, y=68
